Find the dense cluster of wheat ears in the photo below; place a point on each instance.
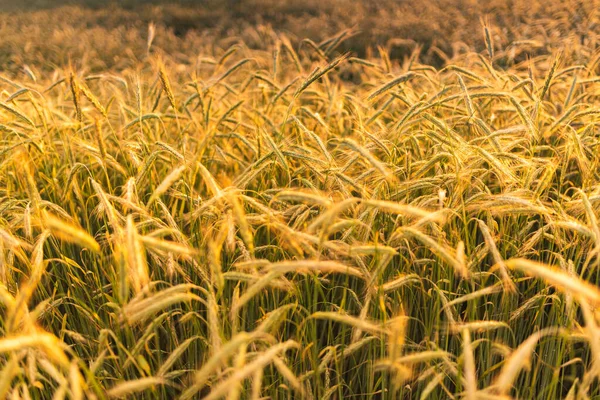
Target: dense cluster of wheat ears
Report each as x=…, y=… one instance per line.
x=308, y=224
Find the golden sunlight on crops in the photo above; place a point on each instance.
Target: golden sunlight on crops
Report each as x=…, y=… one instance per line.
x=300, y=200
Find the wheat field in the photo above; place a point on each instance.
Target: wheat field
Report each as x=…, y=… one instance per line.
x=257, y=214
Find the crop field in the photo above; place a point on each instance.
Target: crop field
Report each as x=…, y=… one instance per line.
x=300, y=200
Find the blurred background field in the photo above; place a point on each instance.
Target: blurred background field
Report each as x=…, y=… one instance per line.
x=104, y=34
